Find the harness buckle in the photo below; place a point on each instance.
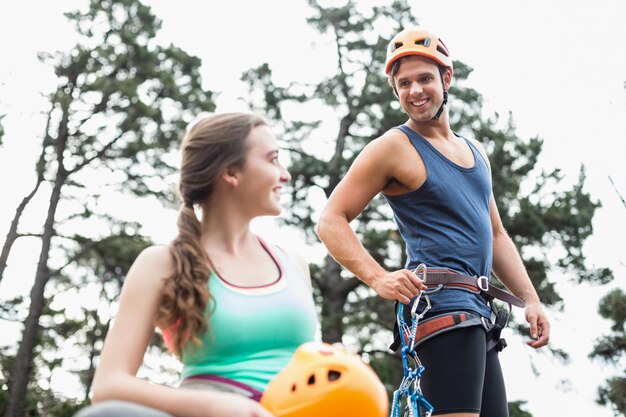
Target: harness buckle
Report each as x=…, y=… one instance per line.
x=482, y=282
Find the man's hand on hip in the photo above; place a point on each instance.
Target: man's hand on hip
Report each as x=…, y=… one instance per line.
x=402, y=285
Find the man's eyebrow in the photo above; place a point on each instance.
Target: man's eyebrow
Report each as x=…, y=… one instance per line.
x=421, y=74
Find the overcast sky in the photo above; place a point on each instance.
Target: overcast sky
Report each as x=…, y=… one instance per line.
x=559, y=66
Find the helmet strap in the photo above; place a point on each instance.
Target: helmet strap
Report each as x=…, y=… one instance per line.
x=445, y=100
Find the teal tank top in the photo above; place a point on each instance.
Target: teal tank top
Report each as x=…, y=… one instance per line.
x=254, y=331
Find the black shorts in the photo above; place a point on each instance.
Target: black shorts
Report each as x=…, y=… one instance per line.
x=460, y=376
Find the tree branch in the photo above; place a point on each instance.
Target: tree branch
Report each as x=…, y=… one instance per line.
x=617, y=192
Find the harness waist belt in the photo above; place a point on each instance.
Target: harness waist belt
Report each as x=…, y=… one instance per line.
x=436, y=325
x=441, y=277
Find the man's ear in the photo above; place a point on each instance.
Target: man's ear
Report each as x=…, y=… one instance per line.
x=447, y=78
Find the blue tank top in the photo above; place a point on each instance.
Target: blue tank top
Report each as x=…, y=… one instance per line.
x=446, y=222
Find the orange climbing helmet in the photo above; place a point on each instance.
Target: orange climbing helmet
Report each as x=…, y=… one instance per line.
x=326, y=380
x=415, y=41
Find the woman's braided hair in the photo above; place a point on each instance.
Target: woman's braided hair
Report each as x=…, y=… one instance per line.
x=210, y=146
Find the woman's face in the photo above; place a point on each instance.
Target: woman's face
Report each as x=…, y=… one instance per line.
x=262, y=177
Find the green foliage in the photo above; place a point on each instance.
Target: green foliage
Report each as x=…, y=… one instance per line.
x=39, y=401
x=124, y=101
x=538, y=212
x=6, y=364
x=110, y=258
x=612, y=350
x=359, y=94
x=613, y=394
x=65, y=408
x=516, y=410
x=613, y=307
x=535, y=210
x=120, y=108
x=388, y=368
x=101, y=264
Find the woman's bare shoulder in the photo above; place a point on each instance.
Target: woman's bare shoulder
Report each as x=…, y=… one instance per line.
x=153, y=265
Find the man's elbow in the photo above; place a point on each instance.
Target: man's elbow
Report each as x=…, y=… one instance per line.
x=322, y=225
x=327, y=224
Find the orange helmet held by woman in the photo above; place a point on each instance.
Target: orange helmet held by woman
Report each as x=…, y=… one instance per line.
x=327, y=381
x=414, y=41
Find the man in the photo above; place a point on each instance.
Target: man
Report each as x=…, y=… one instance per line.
x=438, y=185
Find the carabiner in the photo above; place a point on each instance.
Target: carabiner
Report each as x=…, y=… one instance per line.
x=422, y=270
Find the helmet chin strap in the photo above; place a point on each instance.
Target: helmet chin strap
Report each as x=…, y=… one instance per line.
x=445, y=100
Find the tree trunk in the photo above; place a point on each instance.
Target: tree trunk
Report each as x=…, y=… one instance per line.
x=336, y=163
x=334, y=289
x=334, y=302
x=24, y=359
x=12, y=234
x=94, y=336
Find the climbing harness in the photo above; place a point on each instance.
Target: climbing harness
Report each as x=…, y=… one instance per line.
x=442, y=277
x=431, y=327
x=408, y=335
x=409, y=392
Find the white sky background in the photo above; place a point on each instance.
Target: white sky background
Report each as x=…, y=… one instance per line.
x=558, y=66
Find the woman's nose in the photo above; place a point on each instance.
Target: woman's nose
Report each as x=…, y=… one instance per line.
x=285, y=176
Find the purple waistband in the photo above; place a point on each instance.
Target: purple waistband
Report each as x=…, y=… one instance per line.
x=236, y=386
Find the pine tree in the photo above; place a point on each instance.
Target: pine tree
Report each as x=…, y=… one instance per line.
x=544, y=217
x=612, y=349
x=121, y=105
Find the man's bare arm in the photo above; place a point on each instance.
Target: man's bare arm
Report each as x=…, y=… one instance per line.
x=509, y=268
x=367, y=177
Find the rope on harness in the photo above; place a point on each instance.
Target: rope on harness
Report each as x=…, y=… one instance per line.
x=409, y=392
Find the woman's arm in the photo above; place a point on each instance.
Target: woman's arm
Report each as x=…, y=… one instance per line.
x=127, y=341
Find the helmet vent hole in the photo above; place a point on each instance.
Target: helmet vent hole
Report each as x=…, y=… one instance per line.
x=311, y=380
x=424, y=41
x=397, y=45
x=442, y=50
x=293, y=388
x=334, y=375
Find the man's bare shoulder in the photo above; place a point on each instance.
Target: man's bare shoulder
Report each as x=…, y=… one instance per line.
x=481, y=149
x=477, y=144
x=389, y=142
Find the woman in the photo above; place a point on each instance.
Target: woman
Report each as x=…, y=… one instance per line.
x=231, y=306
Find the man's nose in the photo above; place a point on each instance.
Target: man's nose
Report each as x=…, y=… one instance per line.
x=416, y=88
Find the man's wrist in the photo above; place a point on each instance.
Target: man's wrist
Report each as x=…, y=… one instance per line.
x=531, y=298
x=372, y=275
